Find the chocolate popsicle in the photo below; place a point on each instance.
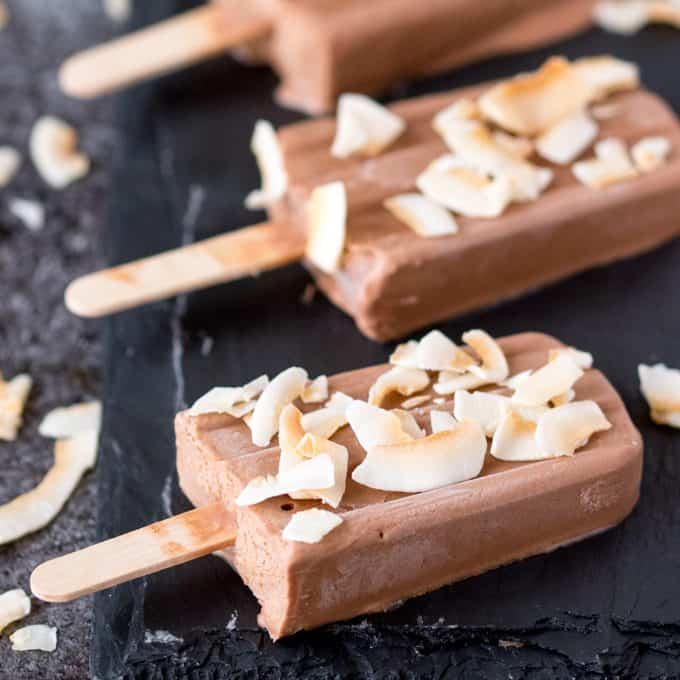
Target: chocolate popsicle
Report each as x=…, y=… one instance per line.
x=319, y=47
x=511, y=511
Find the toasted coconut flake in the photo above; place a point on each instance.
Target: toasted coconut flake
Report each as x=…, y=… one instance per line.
x=53, y=148
x=436, y=352
x=236, y=401
x=414, y=402
x=364, y=127
x=10, y=161
x=461, y=111
x=425, y=216
x=564, y=398
x=443, y=458
x=405, y=381
x=14, y=606
x=480, y=155
x=660, y=386
x=260, y=489
x=650, y=153
x=339, y=401
x=405, y=355
x=37, y=508
x=625, y=18
x=494, y=368
x=567, y=139
x=458, y=186
x=265, y=147
x=441, y=421
x=316, y=390
x=520, y=147
x=31, y=213
x=324, y=422
x=313, y=473
x=34, y=638
x=449, y=383
x=606, y=75
x=664, y=12
x=563, y=430
x=605, y=111
x=291, y=432
x=583, y=360
x=69, y=421
x=326, y=220
x=282, y=390
x=485, y=408
x=409, y=424
x=310, y=526
x=13, y=396
x=313, y=448
x=532, y=102
x=548, y=382
x=515, y=438
x=611, y=165
x=514, y=381
x=374, y=426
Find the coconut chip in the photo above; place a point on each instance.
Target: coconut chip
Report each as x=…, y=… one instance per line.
x=449, y=383
x=14, y=605
x=650, y=153
x=533, y=102
x=548, y=382
x=10, y=161
x=563, y=398
x=285, y=388
x=583, y=360
x=630, y=16
x=31, y=213
x=568, y=138
x=414, y=402
x=260, y=489
x=611, y=165
x=513, y=381
x=563, y=430
x=441, y=421
x=409, y=424
x=515, y=438
x=423, y=215
x=364, y=127
x=405, y=381
x=461, y=111
x=443, y=458
x=436, y=352
x=485, y=408
x=660, y=386
x=313, y=448
x=606, y=75
x=494, y=368
x=236, y=401
x=69, y=421
x=460, y=187
x=34, y=638
x=520, y=147
x=265, y=147
x=310, y=526
x=13, y=396
x=326, y=224
x=325, y=422
x=316, y=390
x=53, y=147
x=37, y=508
x=373, y=426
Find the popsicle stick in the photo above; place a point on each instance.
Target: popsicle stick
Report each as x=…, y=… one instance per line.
x=167, y=46
x=219, y=259
x=145, y=551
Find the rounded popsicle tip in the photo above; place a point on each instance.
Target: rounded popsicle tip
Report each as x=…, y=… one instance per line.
x=79, y=298
x=45, y=586
x=77, y=78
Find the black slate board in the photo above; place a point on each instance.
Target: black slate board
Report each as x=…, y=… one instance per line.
x=606, y=607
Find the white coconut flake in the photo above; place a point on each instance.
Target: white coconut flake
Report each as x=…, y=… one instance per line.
x=310, y=526
x=265, y=147
x=546, y=383
x=68, y=421
x=316, y=390
x=260, y=489
x=624, y=17
x=449, y=383
x=461, y=111
x=364, y=127
x=13, y=397
x=324, y=422
x=54, y=151
x=513, y=381
x=326, y=226
x=606, y=75
x=31, y=213
x=414, y=402
x=285, y=388
x=650, y=153
x=611, y=165
x=373, y=426
x=567, y=139
x=605, y=111
x=425, y=217
x=515, y=439
x=447, y=457
x=10, y=162
x=409, y=424
x=584, y=360
x=34, y=638
x=314, y=473
x=660, y=386
x=236, y=401
x=533, y=102
x=563, y=430
x=436, y=352
x=14, y=606
x=405, y=381
x=520, y=147
x=313, y=448
x=37, y=508
x=441, y=421
x=494, y=367
x=564, y=398
x=485, y=408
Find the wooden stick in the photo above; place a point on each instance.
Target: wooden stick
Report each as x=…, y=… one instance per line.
x=220, y=259
x=167, y=46
x=145, y=551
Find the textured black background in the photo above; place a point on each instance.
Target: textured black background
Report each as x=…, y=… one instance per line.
x=607, y=607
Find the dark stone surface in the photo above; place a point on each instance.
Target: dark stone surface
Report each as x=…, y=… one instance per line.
x=604, y=608
x=37, y=334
